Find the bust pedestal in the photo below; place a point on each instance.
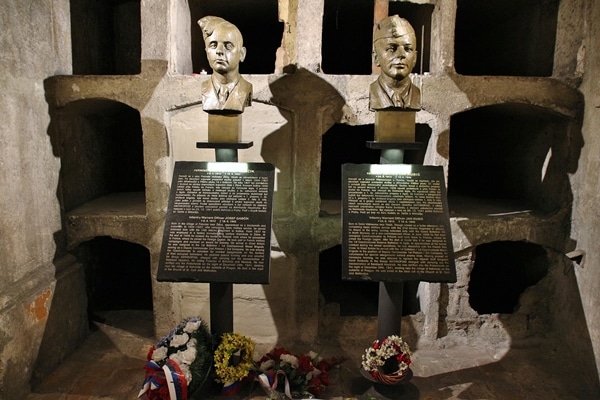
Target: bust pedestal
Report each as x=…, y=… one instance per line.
x=395, y=126
x=225, y=128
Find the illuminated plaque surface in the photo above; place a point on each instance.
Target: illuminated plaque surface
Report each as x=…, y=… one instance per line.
x=395, y=224
x=218, y=223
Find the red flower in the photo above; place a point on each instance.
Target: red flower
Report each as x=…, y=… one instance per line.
x=323, y=365
x=274, y=355
x=327, y=364
x=304, y=364
x=298, y=376
x=317, y=384
x=403, y=358
x=324, y=378
x=277, y=353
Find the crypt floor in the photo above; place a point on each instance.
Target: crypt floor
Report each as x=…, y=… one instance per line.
x=109, y=366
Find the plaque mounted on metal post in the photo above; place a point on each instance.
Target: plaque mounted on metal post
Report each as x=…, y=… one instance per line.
x=395, y=224
x=218, y=223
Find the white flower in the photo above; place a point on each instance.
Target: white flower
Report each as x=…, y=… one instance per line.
x=266, y=365
x=390, y=347
x=315, y=357
x=289, y=359
x=176, y=357
x=312, y=374
x=186, y=373
x=159, y=354
x=184, y=357
x=192, y=326
x=180, y=340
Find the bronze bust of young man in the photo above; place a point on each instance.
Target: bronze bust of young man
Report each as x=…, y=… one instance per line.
x=226, y=90
x=394, y=50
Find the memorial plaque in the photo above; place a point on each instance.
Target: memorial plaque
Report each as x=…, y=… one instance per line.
x=395, y=223
x=218, y=224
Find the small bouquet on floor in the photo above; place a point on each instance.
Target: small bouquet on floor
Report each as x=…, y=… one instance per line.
x=388, y=361
x=179, y=363
x=234, y=362
x=283, y=373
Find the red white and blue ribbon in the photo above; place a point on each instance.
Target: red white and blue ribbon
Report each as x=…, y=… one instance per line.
x=230, y=388
x=170, y=375
x=175, y=381
x=268, y=381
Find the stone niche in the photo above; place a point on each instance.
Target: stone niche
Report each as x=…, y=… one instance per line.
x=101, y=150
x=504, y=125
x=347, y=35
x=106, y=37
x=505, y=37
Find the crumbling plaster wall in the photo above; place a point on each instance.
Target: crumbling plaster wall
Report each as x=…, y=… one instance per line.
x=292, y=109
x=586, y=180
x=299, y=108
x=42, y=296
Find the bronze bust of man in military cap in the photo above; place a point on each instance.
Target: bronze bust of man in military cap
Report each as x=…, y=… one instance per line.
x=394, y=50
x=226, y=90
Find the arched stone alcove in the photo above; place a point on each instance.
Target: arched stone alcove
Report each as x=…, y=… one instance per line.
x=501, y=273
x=101, y=150
x=117, y=275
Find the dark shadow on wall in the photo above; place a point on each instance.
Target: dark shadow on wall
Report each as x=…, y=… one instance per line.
x=545, y=359
x=355, y=298
x=67, y=324
x=107, y=275
x=502, y=271
x=545, y=350
x=117, y=275
x=515, y=152
x=508, y=180
x=312, y=105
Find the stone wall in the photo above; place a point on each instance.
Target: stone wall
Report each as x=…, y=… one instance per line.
x=68, y=187
x=585, y=180
x=42, y=295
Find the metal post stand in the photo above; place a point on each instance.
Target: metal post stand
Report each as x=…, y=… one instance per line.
x=221, y=294
x=389, y=311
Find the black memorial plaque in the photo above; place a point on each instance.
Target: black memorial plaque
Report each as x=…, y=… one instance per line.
x=218, y=224
x=395, y=224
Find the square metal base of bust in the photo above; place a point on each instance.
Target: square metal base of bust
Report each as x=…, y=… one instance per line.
x=395, y=126
x=226, y=128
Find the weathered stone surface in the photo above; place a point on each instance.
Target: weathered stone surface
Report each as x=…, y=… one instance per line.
x=290, y=114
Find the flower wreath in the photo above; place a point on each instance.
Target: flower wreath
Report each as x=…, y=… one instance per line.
x=295, y=375
x=232, y=344
x=179, y=363
x=387, y=360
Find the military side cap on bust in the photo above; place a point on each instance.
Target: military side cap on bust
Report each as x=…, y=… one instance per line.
x=393, y=26
x=209, y=23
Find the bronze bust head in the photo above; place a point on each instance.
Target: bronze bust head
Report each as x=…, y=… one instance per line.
x=226, y=90
x=394, y=50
